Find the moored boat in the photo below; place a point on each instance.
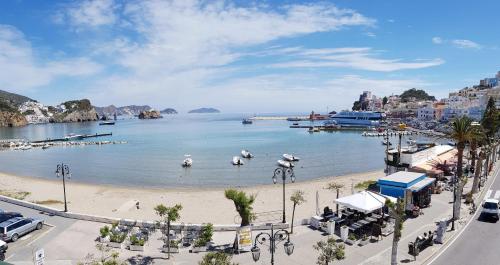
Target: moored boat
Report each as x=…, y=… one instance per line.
x=247, y=121
x=386, y=143
x=246, y=154
x=46, y=146
x=284, y=163
x=289, y=157
x=237, y=161
x=188, y=161
x=107, y=123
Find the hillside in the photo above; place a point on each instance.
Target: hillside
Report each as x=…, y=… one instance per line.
x=12, y=99
x=9, y=113
x=418, y=94
x=74, y=111
x=204, y=110
x=132, y=110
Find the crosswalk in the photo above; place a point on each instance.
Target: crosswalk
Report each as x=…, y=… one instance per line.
x=495, y=193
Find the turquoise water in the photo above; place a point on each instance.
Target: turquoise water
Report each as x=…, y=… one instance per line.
x=155, y=149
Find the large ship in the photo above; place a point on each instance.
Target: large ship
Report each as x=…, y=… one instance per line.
x=356, y=118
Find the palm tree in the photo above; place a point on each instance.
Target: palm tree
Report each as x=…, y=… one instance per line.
x=168, y=215
x=334, y=186
x=462, y=133
x=478, y=140
x=397, y=211
x=243, y=204
x=297, y=198
x=477, y=172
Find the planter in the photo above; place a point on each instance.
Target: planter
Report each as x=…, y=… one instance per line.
x=104, y=239
x=115, y=245
x=199, y=249
x=136, y=248
x=351, y=242
x=330, y=227
x=363, y=242
x=172, y=250
x=344, y=233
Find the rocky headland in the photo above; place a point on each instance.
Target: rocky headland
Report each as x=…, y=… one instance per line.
x=150, y=114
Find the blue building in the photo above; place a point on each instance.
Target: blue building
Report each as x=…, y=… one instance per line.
x=414, y=188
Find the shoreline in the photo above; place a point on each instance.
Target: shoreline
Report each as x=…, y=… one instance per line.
x=200, y=204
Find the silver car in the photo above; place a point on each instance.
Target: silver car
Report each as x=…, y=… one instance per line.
x=14, y=228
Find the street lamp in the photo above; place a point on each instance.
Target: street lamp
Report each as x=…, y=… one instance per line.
x=284, y=173
x=62, y=170
x=274, y=239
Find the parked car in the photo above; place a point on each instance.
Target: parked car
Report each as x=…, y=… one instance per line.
x=3, y=249
x=490, y=209
x=4, y=216
x=14, y=228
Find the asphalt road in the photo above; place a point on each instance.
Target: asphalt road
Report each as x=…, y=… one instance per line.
x=24, y=247
x=479, y=242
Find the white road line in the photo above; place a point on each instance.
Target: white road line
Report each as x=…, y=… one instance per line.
x=488, y=194
x=495, y=173
x=40, y=236
x=497, y=194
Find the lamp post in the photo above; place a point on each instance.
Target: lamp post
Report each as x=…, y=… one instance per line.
x=274, y=239
x=284, y=173
x=62, y=170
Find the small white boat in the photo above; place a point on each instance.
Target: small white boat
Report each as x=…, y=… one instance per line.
x=286, y=164
x=188, y=161
x=246, y=154
x=46, y=146
x=237, y=161
x=25, y=147
x=291, y=158
x=411, y=142
x=386, y=143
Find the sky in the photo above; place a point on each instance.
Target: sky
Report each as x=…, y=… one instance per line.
x=244, y=56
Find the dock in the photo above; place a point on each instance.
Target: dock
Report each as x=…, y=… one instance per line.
x=80, y=137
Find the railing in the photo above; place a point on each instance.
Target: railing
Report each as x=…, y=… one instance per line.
x=263, y=217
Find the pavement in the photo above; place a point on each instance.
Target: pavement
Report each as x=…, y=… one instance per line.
x=478, y=242
x=67, y=241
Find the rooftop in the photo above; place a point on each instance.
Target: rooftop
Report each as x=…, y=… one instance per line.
x=402, y=177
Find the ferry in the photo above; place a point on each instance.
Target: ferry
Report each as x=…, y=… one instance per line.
x=356, y=118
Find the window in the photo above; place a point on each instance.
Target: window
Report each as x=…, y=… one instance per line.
x=490, y=205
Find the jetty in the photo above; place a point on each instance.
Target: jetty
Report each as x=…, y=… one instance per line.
x=79, y=137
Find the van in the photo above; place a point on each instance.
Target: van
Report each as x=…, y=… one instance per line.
x=14, y=228
x=490, y=208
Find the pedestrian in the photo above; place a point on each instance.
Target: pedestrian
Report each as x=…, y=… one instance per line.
x=137, y=205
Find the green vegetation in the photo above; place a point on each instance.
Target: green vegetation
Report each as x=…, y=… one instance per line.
x=13, y=100
x=136, y=241
x=19, y=195
x=216, y=258
x=365, y=184
x=29, y=112
x=167, y=215
x=297, y=198
x=4, y=106
x=107, y=257
x=356, y=105
x=117, y=237
x=207, y=231
x=418, y=94
x=75, y=105
x=243, y=204
x=397, y=211
x=329, y=251
x=104, y=231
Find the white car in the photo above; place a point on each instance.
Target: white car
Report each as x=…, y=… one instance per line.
x=490, y=208
x=3, y=249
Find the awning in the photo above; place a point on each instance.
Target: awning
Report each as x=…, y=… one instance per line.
x=422, y=184
x=365, y=201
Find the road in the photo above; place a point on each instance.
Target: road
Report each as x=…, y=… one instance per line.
x=23, y=248
x=478, y=244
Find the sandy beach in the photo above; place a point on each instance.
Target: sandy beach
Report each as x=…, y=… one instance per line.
x=199, y=205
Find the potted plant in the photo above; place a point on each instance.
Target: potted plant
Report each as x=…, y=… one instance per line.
x=351, y=240
x=173, y=247
x=201, y=244
x=364, y=240
x=116, y=239
x=104, y=234
x=136, y=243
x=344, y=232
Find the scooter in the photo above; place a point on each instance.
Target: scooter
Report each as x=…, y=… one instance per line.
x=3, y=249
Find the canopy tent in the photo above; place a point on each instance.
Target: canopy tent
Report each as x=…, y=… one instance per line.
x=364, y=201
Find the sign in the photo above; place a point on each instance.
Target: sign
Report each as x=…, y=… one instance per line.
x=40, y=257
x=245, y=238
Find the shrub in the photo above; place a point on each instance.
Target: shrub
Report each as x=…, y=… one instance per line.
x=117, y=237
x=207, y=231
x=135, y=240
x=104, y=231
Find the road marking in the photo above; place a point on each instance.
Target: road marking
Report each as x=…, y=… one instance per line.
x=488, y=194
x=495, y=173
x=497, y=194
x=40, y=236
x=26, y=237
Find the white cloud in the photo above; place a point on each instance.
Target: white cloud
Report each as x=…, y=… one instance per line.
x=371, y=34
x=22, y=70
x=355, y=58
x=437, y=40
x=466, y=44
x=88, y=13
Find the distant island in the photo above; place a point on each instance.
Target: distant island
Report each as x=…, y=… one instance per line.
x=204, y=110
x=131, y=110
x=150, y=114
x=168, y=111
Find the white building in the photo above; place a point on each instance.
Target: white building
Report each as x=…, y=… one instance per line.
x=426, y=113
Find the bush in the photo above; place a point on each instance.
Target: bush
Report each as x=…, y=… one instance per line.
x=207, y=231
x=117, y=237
x=216, y=258
x=136, y=241
x=174, y=243
x=104, y=231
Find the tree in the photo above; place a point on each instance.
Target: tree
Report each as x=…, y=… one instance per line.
x=216, y=258
x=416, y=93
x=397, y=211
x=384, y=101
x=329, y=251
x=333, y=186
x=478, y=139
x=490, y=119
x=297, y=198
x=107, y=257
x=356, y=105
x=243, y=204
x=167, y=215
x=462, y=133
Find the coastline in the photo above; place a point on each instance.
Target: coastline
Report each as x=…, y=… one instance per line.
x=200, y=204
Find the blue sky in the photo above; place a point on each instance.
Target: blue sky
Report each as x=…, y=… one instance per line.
x=267, y=56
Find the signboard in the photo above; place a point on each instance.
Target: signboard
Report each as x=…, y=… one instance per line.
x=40, y=257
x=245, y=238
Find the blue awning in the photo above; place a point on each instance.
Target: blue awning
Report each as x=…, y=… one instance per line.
x=422, y=184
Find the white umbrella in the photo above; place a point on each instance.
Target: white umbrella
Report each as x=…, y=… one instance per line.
x=317, y=203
